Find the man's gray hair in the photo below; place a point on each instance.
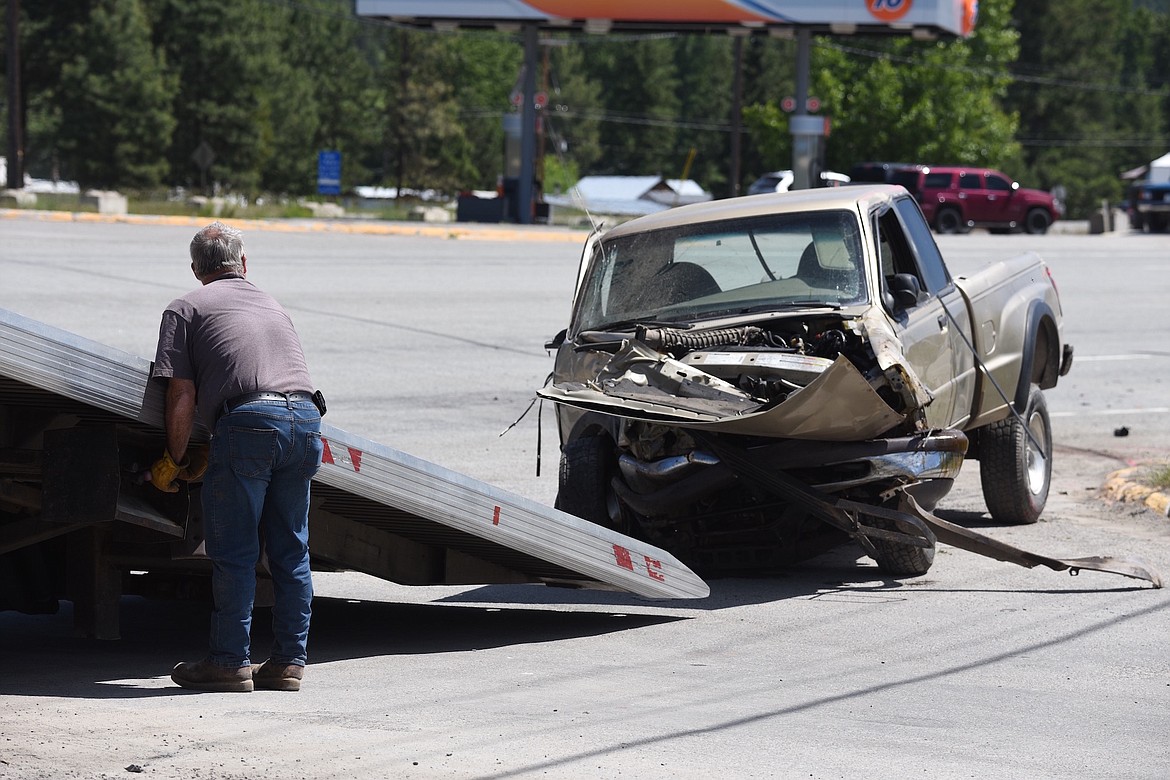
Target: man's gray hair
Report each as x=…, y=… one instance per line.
x=217, y=248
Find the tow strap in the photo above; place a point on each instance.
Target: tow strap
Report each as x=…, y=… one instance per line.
x=923, y=527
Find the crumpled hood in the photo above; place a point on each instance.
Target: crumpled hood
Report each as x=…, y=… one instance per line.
x=643, y=384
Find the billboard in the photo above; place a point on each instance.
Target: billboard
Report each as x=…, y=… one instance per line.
x=951, y=17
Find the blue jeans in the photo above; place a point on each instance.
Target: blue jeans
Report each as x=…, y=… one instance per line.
x=263, y=456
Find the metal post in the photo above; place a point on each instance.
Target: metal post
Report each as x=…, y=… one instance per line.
x=15, y=104
x=801, y=153
x=736, y=114
x=524, y=188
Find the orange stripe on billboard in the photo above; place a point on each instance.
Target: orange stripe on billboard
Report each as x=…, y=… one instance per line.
x=674, y=11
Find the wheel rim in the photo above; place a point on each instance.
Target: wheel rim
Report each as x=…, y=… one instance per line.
x=1037, y=456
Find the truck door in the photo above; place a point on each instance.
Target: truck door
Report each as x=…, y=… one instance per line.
x=932, y=344
x=1001, y=204
x=978, y=203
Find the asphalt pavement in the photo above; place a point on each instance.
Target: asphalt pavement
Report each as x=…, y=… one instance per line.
x=432, y=342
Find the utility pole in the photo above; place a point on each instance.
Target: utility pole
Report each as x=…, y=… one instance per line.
x=15, y=104
x=524, y=187
x=736, y=115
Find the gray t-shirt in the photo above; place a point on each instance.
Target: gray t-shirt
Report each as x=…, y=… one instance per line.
x=230, y=338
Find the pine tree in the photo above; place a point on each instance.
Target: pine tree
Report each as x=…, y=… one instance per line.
x=226, y=56
x=114, y=100
x=1071, y=62
x=705, y=70
x=639, y=90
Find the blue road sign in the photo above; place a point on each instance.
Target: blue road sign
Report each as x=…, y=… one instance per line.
x=328, y=172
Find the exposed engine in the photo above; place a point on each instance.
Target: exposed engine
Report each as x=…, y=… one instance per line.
x=769, y=363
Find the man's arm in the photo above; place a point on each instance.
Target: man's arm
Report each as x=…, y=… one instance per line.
x=180, y=416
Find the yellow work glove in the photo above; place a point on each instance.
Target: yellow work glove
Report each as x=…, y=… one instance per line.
x=163, y=473
x=194, y=466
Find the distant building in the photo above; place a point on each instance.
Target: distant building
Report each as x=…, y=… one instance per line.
x=629, y=195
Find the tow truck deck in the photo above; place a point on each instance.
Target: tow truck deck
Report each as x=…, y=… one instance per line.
x=80, y=420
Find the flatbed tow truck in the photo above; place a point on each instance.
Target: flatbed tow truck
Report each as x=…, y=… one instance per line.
x=80, y=421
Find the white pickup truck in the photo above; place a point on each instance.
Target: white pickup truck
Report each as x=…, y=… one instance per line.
x=733, y=369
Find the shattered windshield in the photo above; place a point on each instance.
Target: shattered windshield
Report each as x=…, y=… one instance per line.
x=724, y=268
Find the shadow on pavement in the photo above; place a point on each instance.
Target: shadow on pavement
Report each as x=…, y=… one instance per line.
x=41, y=656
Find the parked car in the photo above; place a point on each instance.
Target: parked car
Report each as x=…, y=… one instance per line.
x=879, y=172
x=732, y=370
x=955, y=199
x=1149, y=207
x=781, y=181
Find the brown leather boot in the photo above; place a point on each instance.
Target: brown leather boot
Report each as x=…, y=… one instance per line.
x=272, y=676
x=206, y=676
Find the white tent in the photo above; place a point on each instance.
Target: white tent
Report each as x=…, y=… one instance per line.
x=1160, y=170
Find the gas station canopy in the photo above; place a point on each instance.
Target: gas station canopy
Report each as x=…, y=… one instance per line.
x=841, y=17
x=797, y=19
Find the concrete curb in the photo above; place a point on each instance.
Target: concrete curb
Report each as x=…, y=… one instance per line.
x=458, y=230
x=1120, y=487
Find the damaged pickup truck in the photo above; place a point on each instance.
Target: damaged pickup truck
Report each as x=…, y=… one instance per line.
x=748, y=382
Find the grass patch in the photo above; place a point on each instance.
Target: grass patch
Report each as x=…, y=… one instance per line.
x=1157, y=477
x=62, y=201
x=161, y=203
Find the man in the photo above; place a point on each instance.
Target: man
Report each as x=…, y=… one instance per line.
x=229, y=353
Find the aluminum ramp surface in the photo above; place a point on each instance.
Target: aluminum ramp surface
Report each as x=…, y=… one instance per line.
x=374, y=509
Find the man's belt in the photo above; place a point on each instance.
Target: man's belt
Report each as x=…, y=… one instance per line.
x=232, y=404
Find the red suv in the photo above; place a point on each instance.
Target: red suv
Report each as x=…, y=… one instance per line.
x=955, y=199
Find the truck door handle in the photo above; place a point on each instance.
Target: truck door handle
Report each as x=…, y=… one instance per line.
x=942, y=323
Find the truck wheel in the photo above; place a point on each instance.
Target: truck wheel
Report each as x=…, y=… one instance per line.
x=587, y=465
x=1037, y=221
x=949, y=220
x=900, y=560
x=1015, y=472
x=1158, y=223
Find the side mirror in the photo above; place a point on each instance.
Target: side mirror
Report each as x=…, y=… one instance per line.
x=557, y=340
x=905, y=290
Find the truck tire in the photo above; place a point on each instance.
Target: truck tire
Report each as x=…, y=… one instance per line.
x=583, y=489
x=1015, y=473
x=949, y=220
x=1037, y=221
x=900, y=560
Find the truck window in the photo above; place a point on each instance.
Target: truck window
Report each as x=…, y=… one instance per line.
x=970, y=181
x=708, y=269
x=933, y=270
x=936, y=181
x=894, y=252
x=998, y=183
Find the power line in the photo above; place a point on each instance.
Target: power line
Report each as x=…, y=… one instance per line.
x=1094, y=143
x=1047, y=81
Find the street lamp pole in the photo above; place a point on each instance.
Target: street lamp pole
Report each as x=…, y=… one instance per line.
x=15, y=105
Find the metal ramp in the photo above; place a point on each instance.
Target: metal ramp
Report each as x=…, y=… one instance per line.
x=77, y=417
